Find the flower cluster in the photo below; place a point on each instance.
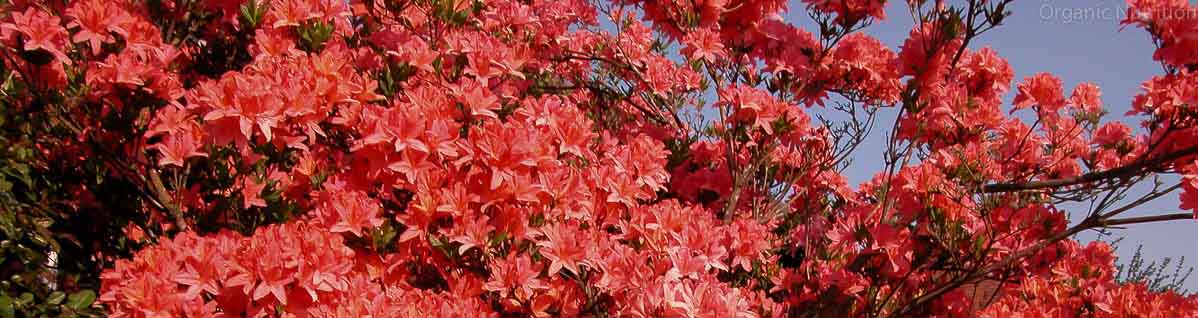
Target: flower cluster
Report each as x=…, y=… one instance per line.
x=540, y=158
x=1171, y=23
x=1080, y=285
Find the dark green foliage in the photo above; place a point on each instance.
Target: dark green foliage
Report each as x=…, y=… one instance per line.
x=53, y=215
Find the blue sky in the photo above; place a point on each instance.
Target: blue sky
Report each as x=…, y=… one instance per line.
x=1079, y=41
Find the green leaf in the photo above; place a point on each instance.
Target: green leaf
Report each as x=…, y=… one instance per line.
x=251, y=13
x=26, y=298
x=81, y=300
x=313, y=35
x=6, y=307
x=56, y=298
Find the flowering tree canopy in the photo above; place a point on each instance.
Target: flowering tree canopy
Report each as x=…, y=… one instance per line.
x=568, y=158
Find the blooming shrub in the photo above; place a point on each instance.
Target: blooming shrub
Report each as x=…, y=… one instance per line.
x=537, y=158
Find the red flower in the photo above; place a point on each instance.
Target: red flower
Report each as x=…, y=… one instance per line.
x=178, y=147
x=351, y=212
x=251, y=193
x=1042, y=89
x=514, y=273
x=560, y=246
x=477, y=99
x=703, y=45
x=97, y=21
x=1189, y=193
x=41, y=31
x=1087, y=97
x=473, y=233
x=851, y=10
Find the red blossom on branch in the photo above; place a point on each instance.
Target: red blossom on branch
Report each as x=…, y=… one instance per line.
x=642, y=158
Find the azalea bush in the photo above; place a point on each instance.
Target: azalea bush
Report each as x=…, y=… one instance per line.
x=566, y=158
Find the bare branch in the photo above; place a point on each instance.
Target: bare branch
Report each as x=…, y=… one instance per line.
x=1140, y=166
x=1146, y=219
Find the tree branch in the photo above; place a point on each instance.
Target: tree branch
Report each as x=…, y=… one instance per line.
x=1146, y=219
x=1120, y=172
